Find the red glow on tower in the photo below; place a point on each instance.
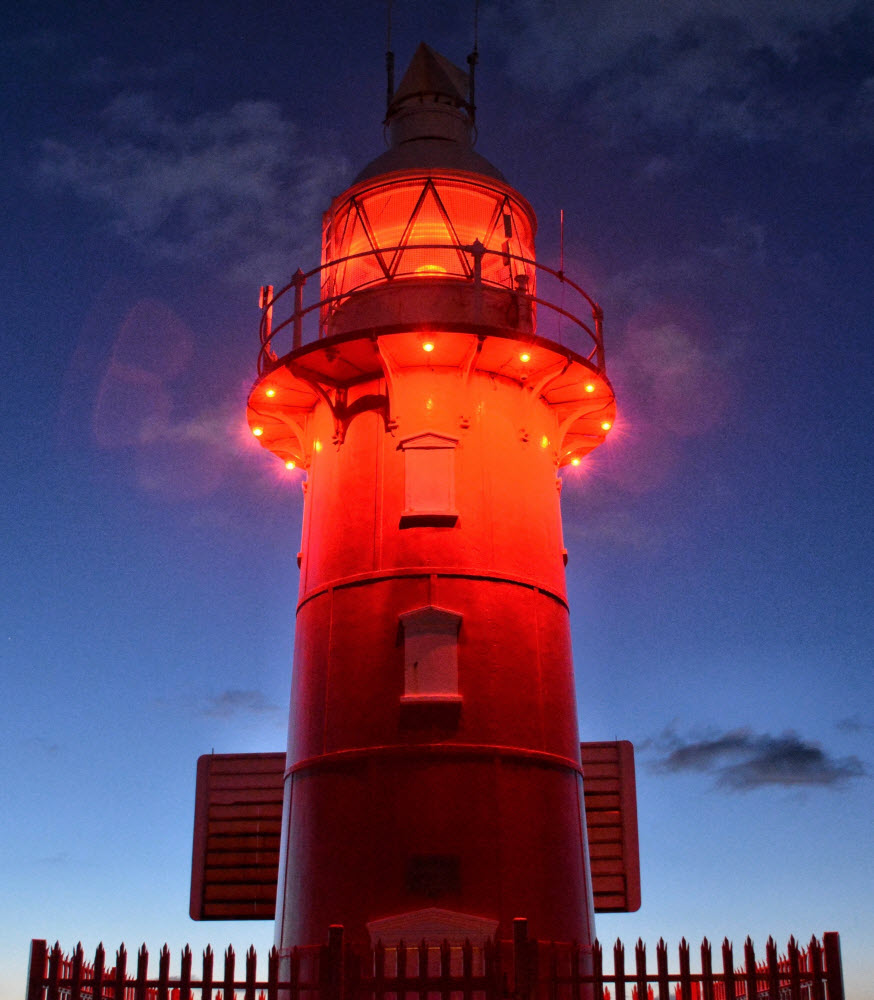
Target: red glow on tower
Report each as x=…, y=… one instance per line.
x=433, y=387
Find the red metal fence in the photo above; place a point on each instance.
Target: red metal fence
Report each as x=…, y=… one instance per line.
x=520, y=969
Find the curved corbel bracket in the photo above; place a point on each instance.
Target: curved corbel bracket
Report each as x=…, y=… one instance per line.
x=390, y=374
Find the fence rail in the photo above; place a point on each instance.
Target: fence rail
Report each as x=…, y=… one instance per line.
x=304, y=318
x=521, y=969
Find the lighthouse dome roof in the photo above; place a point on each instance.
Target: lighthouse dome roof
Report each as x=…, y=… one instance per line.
x=429, y=121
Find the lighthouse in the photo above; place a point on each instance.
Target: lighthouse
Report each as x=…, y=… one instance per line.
x=430, y=389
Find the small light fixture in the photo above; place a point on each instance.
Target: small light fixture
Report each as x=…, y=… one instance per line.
x=544, y=442
x=590, y=387
x=289, y=465
x=606, y=425
x=576, y=461
x=271, y=392
x=525, y=357
x=428, y=346
x=257, y=431
x=317, y=445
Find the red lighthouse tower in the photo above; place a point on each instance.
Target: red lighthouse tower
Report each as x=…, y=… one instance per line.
x=433, y=389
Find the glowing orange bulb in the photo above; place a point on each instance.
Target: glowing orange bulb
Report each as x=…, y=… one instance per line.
x=589, y=387
x=575, y=461
x=428, y=346
x=289, y=465
x=270, y=392
x=524, y=357
x=544, y=442
x=318, y=445
x=606, y=425
x=257, y=431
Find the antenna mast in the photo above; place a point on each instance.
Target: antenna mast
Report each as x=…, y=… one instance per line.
x=389, y=61
x=472, y=60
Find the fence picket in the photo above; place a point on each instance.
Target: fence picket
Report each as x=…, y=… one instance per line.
x=206, y=975
x=640, y=968
x=685, y=971
x=54, y=971
x=98, y=973
x=120, y=973
x=662, y=963
x=251, y=973
x=598, y=970
x=707, y=990
x=230, y=966
x=750, y=976
x=619, y=969
x=185, y=974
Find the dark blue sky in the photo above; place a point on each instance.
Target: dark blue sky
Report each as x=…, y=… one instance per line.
x=715, y=164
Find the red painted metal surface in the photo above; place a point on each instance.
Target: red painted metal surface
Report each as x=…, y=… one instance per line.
x=434, y=779
x=237, y=837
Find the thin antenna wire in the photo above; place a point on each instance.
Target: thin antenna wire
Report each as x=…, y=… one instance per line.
x=561, y=241
x=389, y=61
x=472, y=60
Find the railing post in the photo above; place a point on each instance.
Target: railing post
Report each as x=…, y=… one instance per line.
x=331, y=973
x=521, y=957
x=477, y=251
x=598, y=317
x=36, y=971
x=298, y=280
x=834, y=972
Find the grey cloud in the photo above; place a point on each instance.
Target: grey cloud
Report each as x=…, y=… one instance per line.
x=741, y=760
x=235, y=702
x=231, y=189
x=749, y=70
x=855, y=724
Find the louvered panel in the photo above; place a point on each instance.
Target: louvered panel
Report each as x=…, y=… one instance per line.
x=237, y=826
x=611, y=823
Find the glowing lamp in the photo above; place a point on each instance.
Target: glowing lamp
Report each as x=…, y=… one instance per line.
x=428, y=346
x=257, y=431
x=317, y=445
x=524, y=357
x=575, y=461
x=430, y=269
x=606, y=425
x=270, y=392
x=590, y=387
x=289, y=465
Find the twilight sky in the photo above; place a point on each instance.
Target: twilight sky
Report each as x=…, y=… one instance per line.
x=715, y=164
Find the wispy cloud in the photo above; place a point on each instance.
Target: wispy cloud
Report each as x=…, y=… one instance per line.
x=855, y=724
x=731, y=67
x=232, y=189
x=741, y=760
x=235, y=703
